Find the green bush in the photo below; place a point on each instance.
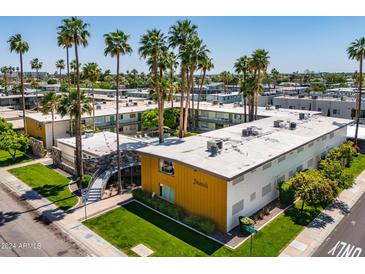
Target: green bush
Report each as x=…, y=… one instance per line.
x=52, y=81
x=86, y=179
x=286, y=193
x=202, y=224
x=247, y=221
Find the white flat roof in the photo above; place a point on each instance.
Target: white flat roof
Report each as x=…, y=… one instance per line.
x=360, y=133
x=241, y=154
x=103, y=143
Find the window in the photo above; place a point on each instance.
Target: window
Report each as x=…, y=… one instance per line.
x=266, y=166
x=252, y=196
x=266, y=190
x=291, y=107
x=319, y=109
x=204, y=125
x=237, y=207
x=132, y=115
x=303, y=108
x=281, y=159
x=336, y=111
x=167, y=193
x=167, y=167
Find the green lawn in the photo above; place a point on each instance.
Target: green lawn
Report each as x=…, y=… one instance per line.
x=6, y=160
x=48, y=183
x=357, y=165
x=133, y=224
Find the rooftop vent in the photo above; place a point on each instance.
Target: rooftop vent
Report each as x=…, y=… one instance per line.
x=292, y=125
x=135, y=104
x=215, y=103
x=277, y=123
x=301, y=116
x=88, y=133
x=220, y=104
x=247, y=132
x=130, y=100
x=267, y=107
x=214, y=146
x=150, y=102
x=126, y=104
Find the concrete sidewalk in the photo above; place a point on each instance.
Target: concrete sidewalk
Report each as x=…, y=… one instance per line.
x=307, y=242
x=87, y=239
x=99, y=207
x=44, y=161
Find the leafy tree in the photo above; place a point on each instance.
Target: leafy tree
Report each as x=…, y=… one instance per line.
x=12, y=142
x=4, y=125
x=313, y=188
x=150, y=118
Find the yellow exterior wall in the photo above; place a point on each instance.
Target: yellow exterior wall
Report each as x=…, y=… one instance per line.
x=208, y=201
x=34, y=131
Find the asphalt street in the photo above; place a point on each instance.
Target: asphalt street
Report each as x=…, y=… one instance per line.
x=23, y=234
x=348, y=238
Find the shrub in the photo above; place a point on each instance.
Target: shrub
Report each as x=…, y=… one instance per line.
x=286, y=193
x=247, y=221
x=204, y=225
x=86, y=179
x=52, y=81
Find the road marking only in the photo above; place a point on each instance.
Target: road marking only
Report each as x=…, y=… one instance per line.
x=343, y=249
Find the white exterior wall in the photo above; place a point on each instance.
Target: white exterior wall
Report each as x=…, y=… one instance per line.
x=60, y=131
x=253, y=181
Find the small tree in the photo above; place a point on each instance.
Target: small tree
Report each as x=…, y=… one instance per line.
x=4, y=125
x=12, y=142
x=313, y=188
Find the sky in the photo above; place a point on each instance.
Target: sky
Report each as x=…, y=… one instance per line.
x=294, y=43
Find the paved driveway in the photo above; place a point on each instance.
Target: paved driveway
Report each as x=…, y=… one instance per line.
x=348, y=238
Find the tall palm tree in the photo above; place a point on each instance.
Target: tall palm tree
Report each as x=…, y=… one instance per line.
x=153, y=48
x=356, y=51
x=36, y=65
x=92, y=72
x=77, y=29
x=69, y=106
x=241, y=67
x=275, y=76
x=73, y=66
x=180, y=34
x=64, y=39
x=17, y=44
x=194, y=52
x=60, y=64
x=226, y=78
x=206, y=64
x=50, y=104
x=117, y=45
x=259, y=63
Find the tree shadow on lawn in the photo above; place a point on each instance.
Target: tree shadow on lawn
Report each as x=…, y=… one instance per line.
x=9, y=161
x=190, y=237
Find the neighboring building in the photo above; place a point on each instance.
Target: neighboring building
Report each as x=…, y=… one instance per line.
x=15, y=101
x=223, y=174
x=138, y=93
x=40, y=125
x=334, y=106
x=224, y=98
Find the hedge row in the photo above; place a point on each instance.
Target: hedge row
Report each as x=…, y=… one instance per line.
x=199, y=223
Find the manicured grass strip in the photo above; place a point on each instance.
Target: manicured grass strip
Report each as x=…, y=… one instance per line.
x=357, y=165
x=48, y=183
x=7, y=160
x=134, y=224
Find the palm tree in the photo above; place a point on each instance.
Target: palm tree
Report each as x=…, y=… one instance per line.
x=69, y=106
x=19, y=46
x=91, y=72
x=153, y=48
x=77, y=29
x=60, y=64
x=117, y=45
x=259, y=63
x=73, y=66
x=180, y=34
x=241, y=67
x=5, y=71
x=50, y=104
x=226, y=78
x=36, y=65
x=357, y=51
x=206, y=64
x=64, y=39
x=194, y=53
x=275, y=76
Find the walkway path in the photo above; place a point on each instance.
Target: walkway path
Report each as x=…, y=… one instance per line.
x=45, y=161
x=308, y=241
x=87, y=239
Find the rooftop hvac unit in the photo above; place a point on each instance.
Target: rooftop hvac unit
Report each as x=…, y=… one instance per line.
x=130, y=100
x=241, y=104
x=314, y=97
x=126, y=104
x=214, y=143
x=247, y=132
x=135, y=104
x=301, y=116
x=267, y=107
x=98, y=107
x=277, y=123
x=220, y=104
x=215, y=102
x=277, y=106
x=255, y=132
x=104, y=102
x=88, y=133
x=292, y=125
x=301, y=96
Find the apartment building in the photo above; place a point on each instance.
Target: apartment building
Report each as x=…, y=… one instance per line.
x=235, y=171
